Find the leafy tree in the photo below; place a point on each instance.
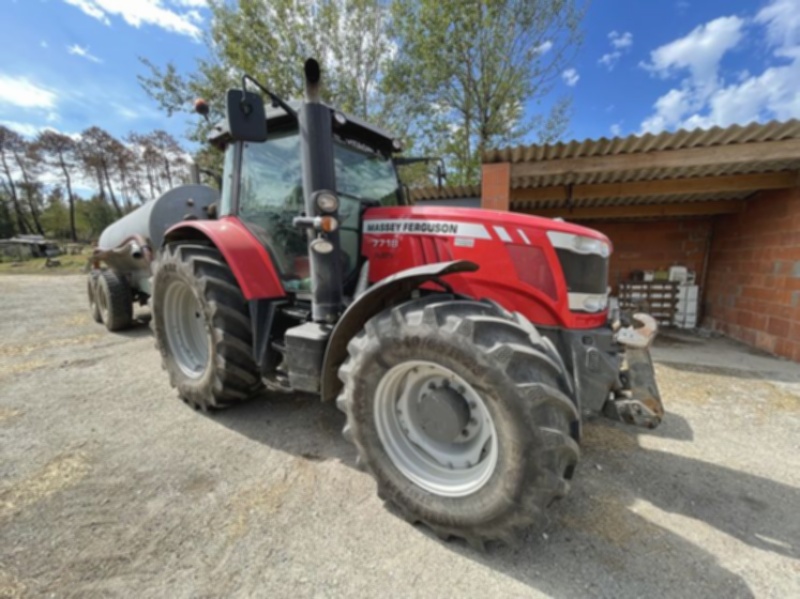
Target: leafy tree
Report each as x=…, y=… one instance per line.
x=94, y=215
x=7, y=225
x=28, y=163
x=270, y=40
x=57, y=219
x=60, y=151
x=466, y=69
x=98, y=150
x=11, y=143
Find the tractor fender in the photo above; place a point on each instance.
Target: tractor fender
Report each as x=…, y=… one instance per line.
x=247, y=258
x=386, y=293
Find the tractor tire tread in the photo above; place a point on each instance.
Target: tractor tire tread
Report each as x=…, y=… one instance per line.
x=516, y=353
x=118, y=312
x=234, y=376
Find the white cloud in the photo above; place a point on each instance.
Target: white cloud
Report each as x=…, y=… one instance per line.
x=22, y=93
x=570, y=77
x=706, y=99
x=25, y=129
x=700, y=52
x=616, y=129
x=621, y=40
x=77, y=50
x=610, y=60
x=143, y=12
x=191, y=3
x=90, y=8
x=543, y=48
x=782, y=21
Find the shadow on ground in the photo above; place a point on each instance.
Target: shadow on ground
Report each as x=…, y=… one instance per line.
x=596, y=524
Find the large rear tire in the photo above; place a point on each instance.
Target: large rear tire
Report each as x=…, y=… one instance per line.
x=421, y=371
x=115, y=300
x=201, y=324
x=91, y=291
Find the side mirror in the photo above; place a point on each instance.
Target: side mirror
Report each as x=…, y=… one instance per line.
x=247, y=120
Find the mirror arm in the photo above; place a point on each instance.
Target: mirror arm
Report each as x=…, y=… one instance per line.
x=276, y=99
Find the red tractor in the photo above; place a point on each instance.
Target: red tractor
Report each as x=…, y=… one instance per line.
x=463, y=345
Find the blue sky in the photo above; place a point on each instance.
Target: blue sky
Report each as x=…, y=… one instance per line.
x=644, y=66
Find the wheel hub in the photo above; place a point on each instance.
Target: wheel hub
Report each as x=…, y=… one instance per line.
x=442, y=412
x=187, y=330
x=436, y=428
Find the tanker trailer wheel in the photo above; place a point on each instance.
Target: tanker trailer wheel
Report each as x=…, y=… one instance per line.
x=459, y=410
x=202, y=328
x=114, y=300
x=91, y=291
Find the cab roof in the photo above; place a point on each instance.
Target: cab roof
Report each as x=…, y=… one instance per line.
x=354, y=128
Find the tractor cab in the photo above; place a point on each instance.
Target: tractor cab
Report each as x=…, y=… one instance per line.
x=262, y=185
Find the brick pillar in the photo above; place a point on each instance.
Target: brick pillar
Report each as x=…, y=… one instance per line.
x=496, y=186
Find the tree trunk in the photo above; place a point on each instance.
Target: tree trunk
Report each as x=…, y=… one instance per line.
x=126, y=196
x=169, y=173
x=102, y=188
x=111, y=191
x=150, y=181
x=72, y=232
x=29, y=195
x=22, y=224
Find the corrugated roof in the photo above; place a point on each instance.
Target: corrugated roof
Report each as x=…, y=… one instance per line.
x=454, y=192
x=633, y=144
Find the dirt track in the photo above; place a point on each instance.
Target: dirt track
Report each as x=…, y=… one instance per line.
x=111, y=487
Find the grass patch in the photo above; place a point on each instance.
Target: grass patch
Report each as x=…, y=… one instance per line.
x=36, y=266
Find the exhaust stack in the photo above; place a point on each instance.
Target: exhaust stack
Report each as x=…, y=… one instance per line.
x=316, y=154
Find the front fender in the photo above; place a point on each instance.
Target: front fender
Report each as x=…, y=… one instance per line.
x=382, y=295
x=247, y=258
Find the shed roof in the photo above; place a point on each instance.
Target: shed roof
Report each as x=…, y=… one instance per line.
x=706, y=167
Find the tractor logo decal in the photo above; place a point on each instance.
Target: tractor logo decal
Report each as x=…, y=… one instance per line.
x=426, y=227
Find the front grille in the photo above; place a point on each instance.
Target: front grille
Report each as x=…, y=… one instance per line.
x=584, y=273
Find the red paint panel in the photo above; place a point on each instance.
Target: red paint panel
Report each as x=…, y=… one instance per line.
x=545, y=303
x=247, y=258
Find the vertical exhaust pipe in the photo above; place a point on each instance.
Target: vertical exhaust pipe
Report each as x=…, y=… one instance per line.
x=316, y=154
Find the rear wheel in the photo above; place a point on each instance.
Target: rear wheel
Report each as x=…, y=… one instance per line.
x=459, y=410
x=114, y=300
x=91, y=291
x=202, y=328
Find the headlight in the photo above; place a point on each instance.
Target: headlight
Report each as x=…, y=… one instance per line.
x=590, y=245
x=594, y=304
x=579, y=243
x=326, y=202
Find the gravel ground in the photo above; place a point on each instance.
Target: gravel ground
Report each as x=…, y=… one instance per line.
x=111, y=487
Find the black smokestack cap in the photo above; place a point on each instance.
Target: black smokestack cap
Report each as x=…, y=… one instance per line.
x=313, y=74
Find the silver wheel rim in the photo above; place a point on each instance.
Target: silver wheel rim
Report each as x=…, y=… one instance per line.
x=90, y=288
x=449, y=469
x=102, y=301
x=187, y=332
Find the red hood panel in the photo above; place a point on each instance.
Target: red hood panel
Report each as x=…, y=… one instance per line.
x=403, y=237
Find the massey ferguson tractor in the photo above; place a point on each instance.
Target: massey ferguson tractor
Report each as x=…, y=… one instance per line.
x=463, y=345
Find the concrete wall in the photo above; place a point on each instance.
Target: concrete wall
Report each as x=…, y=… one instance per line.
x=653, y=245
x=754, y=274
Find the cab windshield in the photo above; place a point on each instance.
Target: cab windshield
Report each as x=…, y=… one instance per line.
x=271, y=195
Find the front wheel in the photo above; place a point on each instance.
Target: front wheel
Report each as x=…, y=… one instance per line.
x=459, y=410
x=201, y=324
